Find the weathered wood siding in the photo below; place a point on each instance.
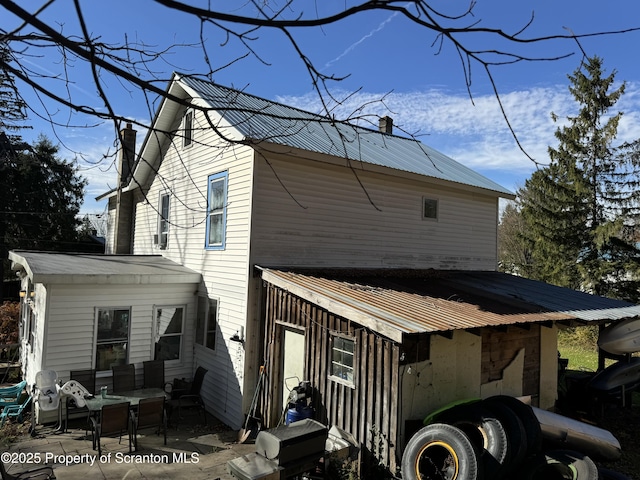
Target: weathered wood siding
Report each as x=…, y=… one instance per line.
x=184, y=174
x=309, y=213
x=369, y=408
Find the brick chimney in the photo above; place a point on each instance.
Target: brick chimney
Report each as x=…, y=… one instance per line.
x=127, y=155
x=386, y=124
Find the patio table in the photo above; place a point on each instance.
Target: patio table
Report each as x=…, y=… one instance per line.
x=95, y=403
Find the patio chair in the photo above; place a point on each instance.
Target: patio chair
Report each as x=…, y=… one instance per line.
x=16, y=411
x=153, y=371
x=151, y=414
x=42, y=473
x=114, y=419
x=11, y=395
x=47, y=390
x=124, y=377
x=86, y=378
x=189, y=399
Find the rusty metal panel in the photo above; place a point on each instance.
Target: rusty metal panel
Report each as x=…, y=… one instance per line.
x=396, y=302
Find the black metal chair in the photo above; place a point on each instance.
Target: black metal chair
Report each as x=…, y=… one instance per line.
x=114, y=419
x=183, y=399
x=42, y=473
x=124, y=378
x=86, y=378
x=153, y=371
x=151, y=414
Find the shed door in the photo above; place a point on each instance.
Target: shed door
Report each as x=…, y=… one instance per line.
x=293, y=365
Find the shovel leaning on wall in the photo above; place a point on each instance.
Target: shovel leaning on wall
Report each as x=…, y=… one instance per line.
x=253, y=423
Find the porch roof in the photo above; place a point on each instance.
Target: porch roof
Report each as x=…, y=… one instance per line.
x=398, y=302
x=75, y=268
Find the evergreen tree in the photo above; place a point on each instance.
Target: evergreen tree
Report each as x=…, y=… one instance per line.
x=40, y=194
x=582, y=209
x=12, y=106
x=514, y=251
x=40, y=198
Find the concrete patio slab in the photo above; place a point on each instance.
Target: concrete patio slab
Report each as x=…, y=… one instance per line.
x=193, y=452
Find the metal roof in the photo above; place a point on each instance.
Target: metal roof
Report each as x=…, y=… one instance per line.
x=264, y=120
x=72, y=268
x=397, y=302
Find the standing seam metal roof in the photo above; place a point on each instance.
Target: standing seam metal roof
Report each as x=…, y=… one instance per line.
x=264, y=120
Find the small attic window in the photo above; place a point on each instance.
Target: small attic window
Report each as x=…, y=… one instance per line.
x=188, y=128
x=429, y=208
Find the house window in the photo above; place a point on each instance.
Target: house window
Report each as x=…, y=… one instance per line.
x=188, y=128
x=217, y=211
x=169, y=326
x=430, y=208
x=342, y=358
x=112, y=338
x=206, y=322
x=28, y=325
x=163, y=221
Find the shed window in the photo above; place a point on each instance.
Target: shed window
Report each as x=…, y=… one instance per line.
x=430, y=208
x=188, y=128
x=217, y=211
x=112, y=338
x=342, y=358
x=206, y=322
x=169, y=326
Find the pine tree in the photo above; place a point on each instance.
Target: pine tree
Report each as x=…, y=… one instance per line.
x=582, y=209
x=12, y=106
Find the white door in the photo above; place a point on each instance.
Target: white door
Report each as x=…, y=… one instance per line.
x=293, y=367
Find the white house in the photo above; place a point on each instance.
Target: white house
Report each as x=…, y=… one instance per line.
x=346, y=256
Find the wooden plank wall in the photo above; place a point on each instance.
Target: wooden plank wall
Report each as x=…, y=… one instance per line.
x=499, y=348
x=369, y=409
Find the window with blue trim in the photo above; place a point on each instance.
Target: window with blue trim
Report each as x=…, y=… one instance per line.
x=216, y=211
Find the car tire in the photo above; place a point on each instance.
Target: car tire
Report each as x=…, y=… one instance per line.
x=440, y=451
x=486, y=433
x=528, y=418
x=516, y=434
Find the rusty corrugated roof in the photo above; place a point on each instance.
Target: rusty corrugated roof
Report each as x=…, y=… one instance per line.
x=394, y=302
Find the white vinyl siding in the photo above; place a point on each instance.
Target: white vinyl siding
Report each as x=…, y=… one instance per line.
x=71, y=322
x=225, y=271
x=336, y=222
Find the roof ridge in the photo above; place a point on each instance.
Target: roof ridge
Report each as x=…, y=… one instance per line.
x=317, y=116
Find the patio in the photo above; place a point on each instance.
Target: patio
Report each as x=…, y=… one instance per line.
x=193, y=451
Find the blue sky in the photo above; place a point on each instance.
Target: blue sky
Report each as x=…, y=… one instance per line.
x=382, y=55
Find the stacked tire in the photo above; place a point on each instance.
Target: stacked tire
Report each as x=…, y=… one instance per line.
x=493, y=439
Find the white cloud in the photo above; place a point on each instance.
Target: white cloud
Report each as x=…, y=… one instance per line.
x=475, y=132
